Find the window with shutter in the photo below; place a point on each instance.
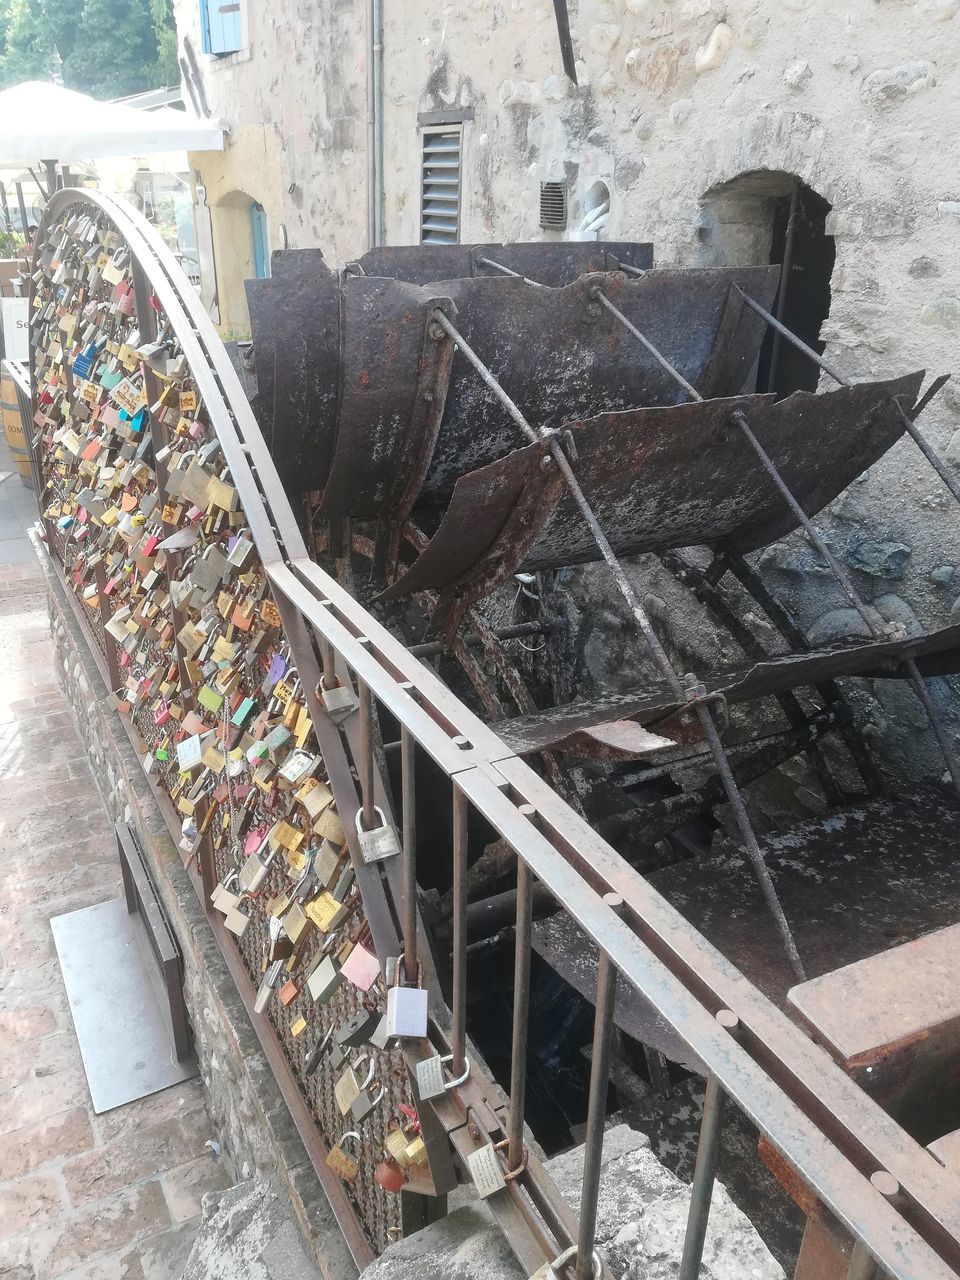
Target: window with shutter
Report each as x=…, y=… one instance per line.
x=440, y=186
x=221, y=26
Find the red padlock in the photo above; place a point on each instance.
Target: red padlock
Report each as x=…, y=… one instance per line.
x=390, y=1176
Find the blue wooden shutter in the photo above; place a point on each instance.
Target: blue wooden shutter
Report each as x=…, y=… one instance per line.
x=258, y=233
x=221, y=26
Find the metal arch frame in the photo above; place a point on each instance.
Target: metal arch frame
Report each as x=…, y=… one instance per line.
x=823, y=1124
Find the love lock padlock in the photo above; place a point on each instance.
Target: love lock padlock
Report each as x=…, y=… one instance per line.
x=552, y=1270
x=379, y=843
x=358, y=1028
x=407, y=1007
x=343, y=1164
x=317, y=1052
x=254, y=871
x=390, y=1176
x=362, y=1106
x=271, y=979
x=339, y=701
x=431, y=1082
x=348, y=1087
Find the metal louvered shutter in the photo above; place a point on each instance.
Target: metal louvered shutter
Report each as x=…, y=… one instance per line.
x=553, y=205
x=440, y=186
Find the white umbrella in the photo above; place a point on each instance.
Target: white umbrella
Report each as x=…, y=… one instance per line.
x=43, y=121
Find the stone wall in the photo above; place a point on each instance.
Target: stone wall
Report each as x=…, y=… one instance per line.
x=257, y=1133
x=675, y=100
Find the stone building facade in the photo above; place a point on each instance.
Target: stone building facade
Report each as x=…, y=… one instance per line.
x=695, y=118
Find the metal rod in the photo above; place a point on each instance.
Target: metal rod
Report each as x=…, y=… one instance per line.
x=629, y=268
x=431, y=648
x=642, y=620
x=597, y=1105
x=408, y=785
x=366, y=756
x=498, y=266
x=909, y=425
x=521, y=1009
x=784, y=280
x=329, y=664
x=458, y=1027
x=704, y=1176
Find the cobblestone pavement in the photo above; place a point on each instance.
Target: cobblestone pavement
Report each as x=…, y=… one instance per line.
x=82, y=1197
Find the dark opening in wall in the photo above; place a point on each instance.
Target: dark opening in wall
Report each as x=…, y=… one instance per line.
x=804, y=288
x=746, y=221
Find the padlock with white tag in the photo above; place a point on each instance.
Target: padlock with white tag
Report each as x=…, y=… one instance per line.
x=343, y=1164
x=380, y=842
x=486, y=1171
x=339, y=701
x=431, y=1077
x=407, y=1007
x=555, y=1270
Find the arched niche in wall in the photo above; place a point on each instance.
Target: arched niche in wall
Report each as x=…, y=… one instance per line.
x=772, y=216
x=242, y=253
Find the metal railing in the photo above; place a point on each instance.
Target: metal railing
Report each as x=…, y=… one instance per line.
x=832, y=1135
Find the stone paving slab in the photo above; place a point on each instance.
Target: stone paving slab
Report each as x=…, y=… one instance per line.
x=82, y=1197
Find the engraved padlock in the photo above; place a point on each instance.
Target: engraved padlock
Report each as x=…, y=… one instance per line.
x=380, y=842
x=343, y=1164
x=338, y=701
x=554, y=1270
x=407, y=1007
x=431, y=1078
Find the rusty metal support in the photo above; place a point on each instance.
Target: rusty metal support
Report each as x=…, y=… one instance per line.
x=408, y=784
x=521, y=1009
x=784, y=279
x=659, y=654
x=908, y=423
x=458, y=1032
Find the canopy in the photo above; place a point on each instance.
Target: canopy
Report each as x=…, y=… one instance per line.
x=43, y=121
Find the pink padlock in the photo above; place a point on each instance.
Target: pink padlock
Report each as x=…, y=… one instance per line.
x=361, y=967
x=161, y=715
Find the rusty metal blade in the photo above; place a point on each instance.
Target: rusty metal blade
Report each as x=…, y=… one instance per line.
x=560, y=357
x=294, y=318
x=663, y=478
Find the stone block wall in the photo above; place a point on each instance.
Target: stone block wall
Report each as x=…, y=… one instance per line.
x=257, y=1133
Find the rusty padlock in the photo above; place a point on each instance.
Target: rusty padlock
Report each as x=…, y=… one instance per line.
x=343, y=1164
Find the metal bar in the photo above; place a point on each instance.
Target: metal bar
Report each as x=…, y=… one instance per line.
x=432, y=648
x=498, y=266
x=521, y=1009
x=365, y=763
x=458, y=1026
x=659, y=654
x=408, y=784
x=784, y=279
x=629, y=268
x=909, y=425
x=597, y=1104
x=704, y=1175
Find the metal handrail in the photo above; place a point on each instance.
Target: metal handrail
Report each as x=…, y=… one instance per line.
x=832, y=1133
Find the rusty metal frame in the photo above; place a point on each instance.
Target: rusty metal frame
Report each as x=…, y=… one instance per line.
x=834, y=1136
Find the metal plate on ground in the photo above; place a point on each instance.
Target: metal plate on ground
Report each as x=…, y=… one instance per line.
x=117, y=1012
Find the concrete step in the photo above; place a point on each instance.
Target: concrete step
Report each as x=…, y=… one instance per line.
x=641, y=1221
x=249, y=1233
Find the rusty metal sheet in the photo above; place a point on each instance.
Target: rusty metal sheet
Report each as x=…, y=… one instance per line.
x=553, y=263
x=560, y=356
x=295, y=322
x=385, y=348
x=661, y=478
x=565, y=726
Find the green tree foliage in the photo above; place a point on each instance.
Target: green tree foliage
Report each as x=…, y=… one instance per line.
x=109, y=48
